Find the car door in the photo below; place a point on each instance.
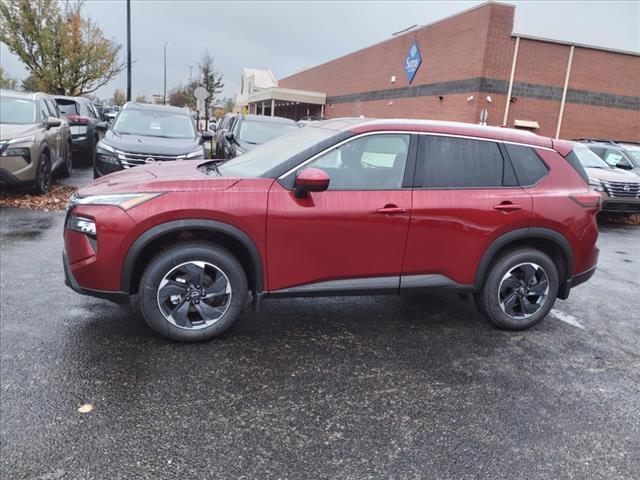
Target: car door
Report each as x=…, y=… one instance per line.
x=352, y=236
x=51, y=133
x=466, y=195
x=58, y=131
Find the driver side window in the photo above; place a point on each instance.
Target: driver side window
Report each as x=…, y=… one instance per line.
x=371, y=162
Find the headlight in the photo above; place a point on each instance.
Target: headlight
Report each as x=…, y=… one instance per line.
x=17, y=152
x=596, y=185
x=106, y=153
x=25, y=139
x=196, y=154
x=125, y=201
x=82, y=225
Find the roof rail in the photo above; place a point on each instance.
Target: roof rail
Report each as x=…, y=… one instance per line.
x=599, y=140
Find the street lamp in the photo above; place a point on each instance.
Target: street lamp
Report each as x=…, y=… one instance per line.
x=164, y=95
x=128, y=50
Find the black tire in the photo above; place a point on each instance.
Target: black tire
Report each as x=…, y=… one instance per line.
x=511, y=286
x=169, y=268
x=43, y=175
x=67, y=166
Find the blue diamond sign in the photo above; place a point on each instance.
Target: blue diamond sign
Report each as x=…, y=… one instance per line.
x=412, y=62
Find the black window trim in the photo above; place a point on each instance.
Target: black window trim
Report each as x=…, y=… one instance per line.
x=505, y=154
x=287, y=179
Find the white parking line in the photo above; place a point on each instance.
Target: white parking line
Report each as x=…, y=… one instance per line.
x=566, y=318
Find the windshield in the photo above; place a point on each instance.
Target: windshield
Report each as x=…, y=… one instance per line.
x=588, y=159
x=261, y=159
x=17, y=111
x=151, y=123
x=634, y=153
x=257, y=132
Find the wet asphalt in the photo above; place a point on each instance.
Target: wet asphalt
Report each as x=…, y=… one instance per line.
x=336, y=388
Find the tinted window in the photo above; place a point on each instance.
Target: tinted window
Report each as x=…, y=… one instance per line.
x=529, y=167
x=448, y=162
x=373, y=162
x=67, y=107
x=574, y=161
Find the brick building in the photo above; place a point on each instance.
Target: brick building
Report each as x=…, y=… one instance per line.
x=472, y=62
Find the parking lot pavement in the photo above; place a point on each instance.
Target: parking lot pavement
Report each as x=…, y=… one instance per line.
x=368, y=387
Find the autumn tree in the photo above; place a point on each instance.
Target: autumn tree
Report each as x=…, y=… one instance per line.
x=142, y=99
x=119, y=98
x=6, y=81
x=210, y=79
x=64, y=51
x=32, y=84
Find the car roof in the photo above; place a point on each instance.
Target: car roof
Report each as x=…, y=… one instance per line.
x=362, y=125
x=267, y=118
x=73, y=99
x=23, y=95
x=154, y=107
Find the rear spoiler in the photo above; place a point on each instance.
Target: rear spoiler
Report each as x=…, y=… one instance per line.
x=563, y=147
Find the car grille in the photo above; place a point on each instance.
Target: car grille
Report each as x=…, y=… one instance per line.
x=622, y=189
x=129, y=159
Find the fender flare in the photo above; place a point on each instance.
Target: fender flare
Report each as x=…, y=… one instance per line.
x=174, y=226
x=524, y=234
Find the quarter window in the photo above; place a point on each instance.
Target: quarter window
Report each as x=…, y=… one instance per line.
x=529, y=167
x=372, y=162
x=449, y=162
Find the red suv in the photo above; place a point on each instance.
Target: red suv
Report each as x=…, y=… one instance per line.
x=345, y=206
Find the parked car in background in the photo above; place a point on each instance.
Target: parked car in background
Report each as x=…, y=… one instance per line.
x=343, y=207
x=109, y=114
x=145, y=133
x=35, y=141
x=304, y=121
x=249, y=131
x=620, y=189
x=99, y=107
x=221, y=129
x=83, y=118
x=615, y=154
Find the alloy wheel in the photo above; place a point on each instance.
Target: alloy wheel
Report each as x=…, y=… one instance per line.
x=45, y=173
x=523, y=290
x=194, y=295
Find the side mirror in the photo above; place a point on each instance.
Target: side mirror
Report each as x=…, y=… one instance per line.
x=102, y=126
x=206, y=135
x=311, y=180
x=212, y=127
x=52, y=122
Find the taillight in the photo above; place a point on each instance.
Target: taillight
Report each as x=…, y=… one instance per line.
x=78, y=119
x=589, y=199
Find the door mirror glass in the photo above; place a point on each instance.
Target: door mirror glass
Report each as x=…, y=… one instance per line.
x=53, y=122
x=212, y=127
x=311, y=180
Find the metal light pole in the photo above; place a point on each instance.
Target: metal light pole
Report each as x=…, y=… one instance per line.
x=164, y=95
x=128, y=50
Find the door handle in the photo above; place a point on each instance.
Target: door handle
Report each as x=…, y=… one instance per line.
x=507, y=207
x=391, y=209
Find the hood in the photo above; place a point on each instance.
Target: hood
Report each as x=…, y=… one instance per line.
x=612, y=175
x=151, y=145
x=12, y=130
x=174, y=176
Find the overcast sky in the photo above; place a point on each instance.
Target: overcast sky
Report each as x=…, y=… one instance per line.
x=289, y=35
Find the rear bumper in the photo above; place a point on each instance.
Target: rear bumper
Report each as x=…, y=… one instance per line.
x=70, y=281
x=575, y=281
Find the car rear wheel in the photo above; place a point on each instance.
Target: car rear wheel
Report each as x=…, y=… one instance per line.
x=67, y=166
x=519, y=290
x=193, y=292
x=43, y=175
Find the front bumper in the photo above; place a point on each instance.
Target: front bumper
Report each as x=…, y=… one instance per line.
x=622, y=205
x=70, y=281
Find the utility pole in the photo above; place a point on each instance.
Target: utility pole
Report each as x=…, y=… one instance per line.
x=128, y=50
x=164, y=95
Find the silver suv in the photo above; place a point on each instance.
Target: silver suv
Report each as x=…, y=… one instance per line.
x=35, y=140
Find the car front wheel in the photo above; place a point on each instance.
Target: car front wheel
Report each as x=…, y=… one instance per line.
x=519, y=290
x=43, y=175
x=193, y=292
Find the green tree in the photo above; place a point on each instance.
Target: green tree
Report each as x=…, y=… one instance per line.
x=119, y=98
x=209, y=79
x=63, y=50
x=32, y=84
x=6, y=81
x=142, y=99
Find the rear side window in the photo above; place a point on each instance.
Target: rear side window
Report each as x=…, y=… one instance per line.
x=67, y=107
x=574, y=161
x=449, y=162
x=529, y=167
